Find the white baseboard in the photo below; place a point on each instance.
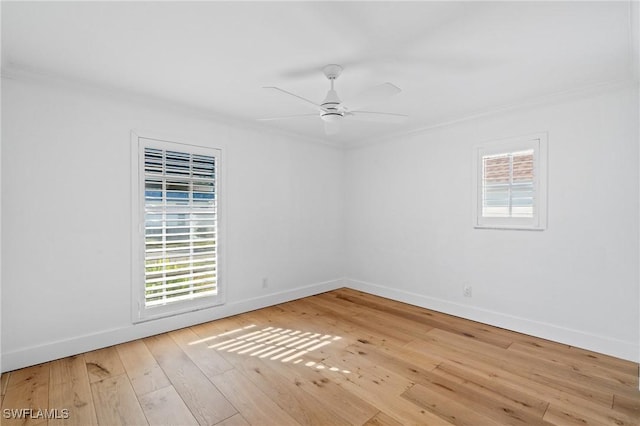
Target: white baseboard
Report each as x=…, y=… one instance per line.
x=597, y=343
x=33, y=355
x=53, y=350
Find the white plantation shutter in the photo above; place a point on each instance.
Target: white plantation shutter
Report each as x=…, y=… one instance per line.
x=510, y=183
x=508, y=188
x=179, y=221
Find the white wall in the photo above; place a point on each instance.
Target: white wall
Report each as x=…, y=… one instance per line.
x=66, y=240
x=410, y=235
x=394, y=217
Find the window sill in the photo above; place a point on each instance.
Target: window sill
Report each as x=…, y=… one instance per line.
x=511, y=227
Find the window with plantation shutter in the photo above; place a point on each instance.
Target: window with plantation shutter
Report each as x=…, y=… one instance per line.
x=178, y=266
x=507, y=184
x=510, y=183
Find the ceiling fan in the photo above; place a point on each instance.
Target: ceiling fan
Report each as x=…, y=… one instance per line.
x=332, y=110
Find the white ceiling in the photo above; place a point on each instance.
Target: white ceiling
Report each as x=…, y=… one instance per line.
x=451, y=59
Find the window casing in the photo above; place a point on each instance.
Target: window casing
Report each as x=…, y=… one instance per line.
x=510, y=183
x=176, y=235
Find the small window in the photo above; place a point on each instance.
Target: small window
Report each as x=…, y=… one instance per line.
x=510, y=183
x=176, y=235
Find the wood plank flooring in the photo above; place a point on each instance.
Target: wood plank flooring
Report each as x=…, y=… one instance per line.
x=342, y=357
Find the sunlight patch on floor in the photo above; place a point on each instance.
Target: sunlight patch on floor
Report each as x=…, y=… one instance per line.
x=273, y=343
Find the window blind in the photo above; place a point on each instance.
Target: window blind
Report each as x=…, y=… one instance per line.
x=180, y=226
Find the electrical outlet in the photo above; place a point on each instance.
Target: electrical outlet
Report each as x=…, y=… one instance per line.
x=467, y=291
x=265, y=282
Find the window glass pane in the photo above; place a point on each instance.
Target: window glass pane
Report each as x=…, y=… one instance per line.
x=495, y=185
x=522, y=190
x=523, y=166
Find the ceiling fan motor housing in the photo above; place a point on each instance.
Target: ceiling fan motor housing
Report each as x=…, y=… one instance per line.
x=330, y=110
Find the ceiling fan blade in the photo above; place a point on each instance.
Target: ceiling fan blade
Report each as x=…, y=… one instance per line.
x=373, y=95
x=305, y=101
x=332, y=127
x=381, y=117
x=287, y=117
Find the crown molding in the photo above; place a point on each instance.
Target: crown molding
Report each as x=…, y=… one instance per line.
x=535, y=102
x=12, y=71
x=27, y=74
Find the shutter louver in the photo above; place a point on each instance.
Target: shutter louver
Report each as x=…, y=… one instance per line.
x=180, y=223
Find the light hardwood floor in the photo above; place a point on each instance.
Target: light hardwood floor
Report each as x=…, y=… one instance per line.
x=342, y=357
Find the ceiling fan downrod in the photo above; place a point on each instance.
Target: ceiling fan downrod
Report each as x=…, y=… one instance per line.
x=330, y=111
